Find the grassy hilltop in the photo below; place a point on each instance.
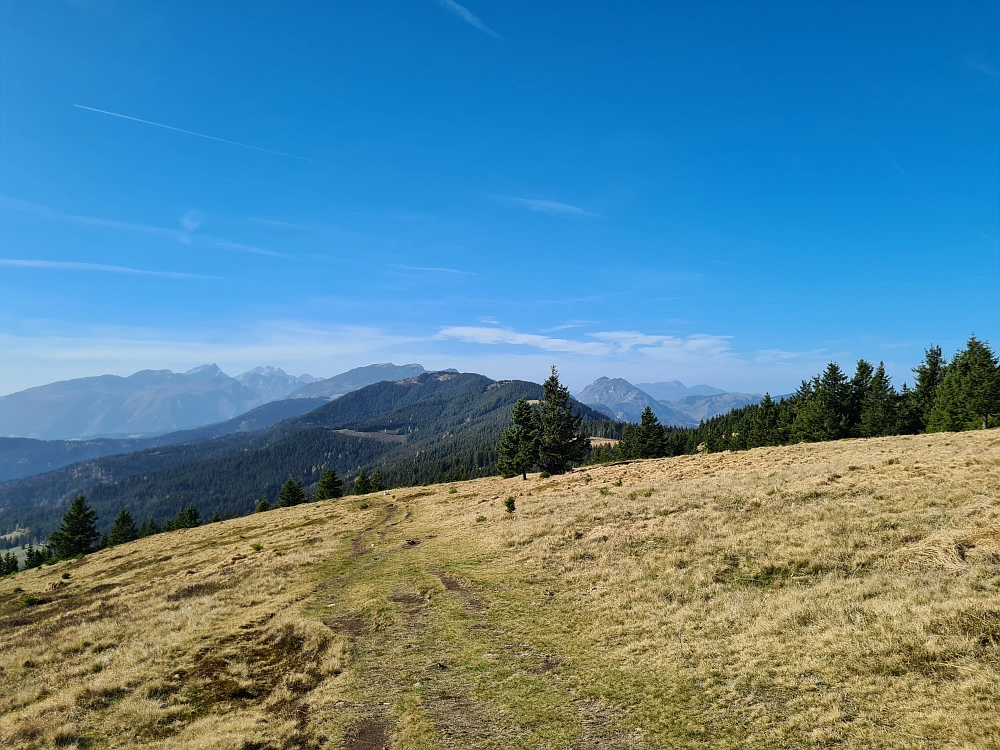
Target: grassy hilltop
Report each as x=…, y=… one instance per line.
x=838, y=594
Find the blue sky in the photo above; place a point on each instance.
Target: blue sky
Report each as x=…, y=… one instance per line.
x=732, y=193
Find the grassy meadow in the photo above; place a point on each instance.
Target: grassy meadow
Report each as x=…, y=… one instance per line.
x=820, y=595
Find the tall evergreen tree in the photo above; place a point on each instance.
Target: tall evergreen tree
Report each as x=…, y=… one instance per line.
x=518, y=448
x=77, y=533
x=329, y=486
x=263, y=506
x=291, y=493
x=649, y=436
x=762, y=424
x=123, y=529
x=560, y=443
x=628, y=445
x=928, y=376
x=376, y=483
x=825, y=407
x=8, y=564
x=861, y=386
x=362, y=484
x=969, y=394
x=879, y=407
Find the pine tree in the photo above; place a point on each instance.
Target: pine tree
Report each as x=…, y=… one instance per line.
x=263, y=506
x=560, y=443
x=762, y=426
x=929, y=375
x=861, y=386
x=8, y=564
x=825, y=407
x=649, y=436
x=879, y=407
x=78, y=532
x=377, y=485
x=518, y=447
x=628, y=446
x=969, y=394
x=215, y=518
x=330, y=486
x=291, y=493
x=123, y=529
x=362, y=484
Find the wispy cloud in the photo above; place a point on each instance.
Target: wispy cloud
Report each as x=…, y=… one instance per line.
x=466, y=15
x=482, y=335
x=984, y=68
x=549, y=207
x=60, y=265
x=432, y=269
x=191, y=221
x=697, y=347
x=202, y=135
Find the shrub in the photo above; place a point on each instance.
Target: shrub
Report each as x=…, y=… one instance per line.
x=480, y=519
x=508, y=504
x=65, y=576
x=256, y=546
x=452, y=491
x=544, y=475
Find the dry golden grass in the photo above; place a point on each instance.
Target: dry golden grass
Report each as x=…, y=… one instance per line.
x=841, y=594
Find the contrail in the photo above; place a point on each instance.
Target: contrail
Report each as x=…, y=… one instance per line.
x=202, y=135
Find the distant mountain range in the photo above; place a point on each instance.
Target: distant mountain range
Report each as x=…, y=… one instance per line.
x=431, y=427
x=155, y=402
x=624, y=401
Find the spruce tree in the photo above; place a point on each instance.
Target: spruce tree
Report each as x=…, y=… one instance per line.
x=518, y=447
x=649, y=436
x=861, y=385
x=628, y=446
x=969, y=394
x=762, y=426
x=376, y=483
x=929, y=375
x=879, y=407
x=560, y=444
x=824, y=413
x=291, y=493
x=263, y=506
x=330, y=486
x=362, y=484
x=123, y=529
x=77, y=533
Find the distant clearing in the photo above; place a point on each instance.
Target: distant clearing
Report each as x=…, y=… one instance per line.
x=820, y=595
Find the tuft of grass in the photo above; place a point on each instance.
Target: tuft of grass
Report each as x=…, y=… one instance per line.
x=604, y=491
x=256, y=546
x=452, y=490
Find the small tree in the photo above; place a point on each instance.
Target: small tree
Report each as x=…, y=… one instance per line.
x=362, y=484
x=330, y=486
x=291, y=493
x=560, y=443
x=518, y=447
x=8, y=564
x=263, y=506
x=77, y=533
x=376, y=483
x=123, y=529
x=649, y=436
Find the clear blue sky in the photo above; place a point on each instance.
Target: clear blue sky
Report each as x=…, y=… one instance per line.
x=731, y=193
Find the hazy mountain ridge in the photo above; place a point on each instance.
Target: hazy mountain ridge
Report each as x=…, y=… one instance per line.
x=627, y=401
x=25, y=457
x=674, y=390
x=451, y=422
x=359, y=377
x=156, y=402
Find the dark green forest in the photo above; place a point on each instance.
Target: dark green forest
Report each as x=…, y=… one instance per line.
x=962, y=394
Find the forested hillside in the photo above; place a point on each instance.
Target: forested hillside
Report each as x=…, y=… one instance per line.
x=430, y=428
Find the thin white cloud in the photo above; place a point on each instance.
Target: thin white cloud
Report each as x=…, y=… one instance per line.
x=192, y=219
x=202, y=135
x=59, y=265
x=482, y=335
x=432, y=269
x=466, y=15
x=984, y=68
x=549, y=207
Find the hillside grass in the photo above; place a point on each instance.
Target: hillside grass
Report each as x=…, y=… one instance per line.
x=821, y=595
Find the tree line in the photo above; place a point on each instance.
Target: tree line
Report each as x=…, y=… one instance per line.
x=947, y=396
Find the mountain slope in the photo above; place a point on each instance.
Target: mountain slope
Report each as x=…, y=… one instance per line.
x=273, y=383
x=699, y=408
x=357, y=378
x=24, y=457
x=675, y=389
x=734, y=600
x=422, y=429
x=627, y=402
